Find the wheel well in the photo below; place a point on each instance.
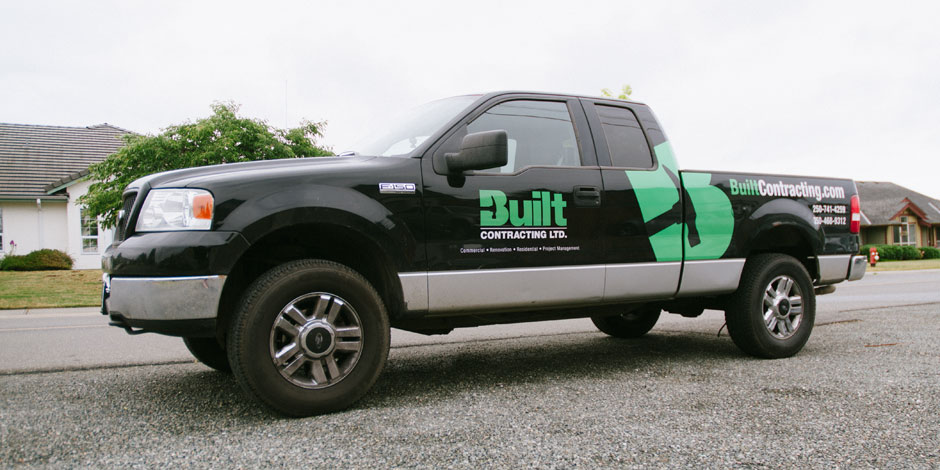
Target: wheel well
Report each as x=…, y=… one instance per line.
x=310, y=241
x=787, y=240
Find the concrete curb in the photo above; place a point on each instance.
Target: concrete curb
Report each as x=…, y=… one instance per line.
x=50, y=312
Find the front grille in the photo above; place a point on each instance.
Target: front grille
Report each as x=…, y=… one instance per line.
x=124, y=216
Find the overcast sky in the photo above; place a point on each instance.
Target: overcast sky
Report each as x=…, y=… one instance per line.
x=849, y=89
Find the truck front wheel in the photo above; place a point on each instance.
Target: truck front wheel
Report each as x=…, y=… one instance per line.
x=771, y=314
x=310, y=337
x=632, y=324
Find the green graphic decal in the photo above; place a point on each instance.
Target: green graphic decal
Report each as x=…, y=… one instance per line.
x=710, y=221
x=714, y=218
x=658, y=192
x=545, y=209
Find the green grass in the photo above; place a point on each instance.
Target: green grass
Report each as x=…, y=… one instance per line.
x=906, y=265
x=50, y=289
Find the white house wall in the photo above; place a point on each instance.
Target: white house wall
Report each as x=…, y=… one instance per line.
x=56, y=225
x=83, y=260
x=33, y=227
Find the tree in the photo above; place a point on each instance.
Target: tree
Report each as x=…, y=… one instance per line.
x=223, y=137
x=625, y=93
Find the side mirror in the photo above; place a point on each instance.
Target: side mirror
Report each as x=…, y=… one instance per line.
x=479, y=151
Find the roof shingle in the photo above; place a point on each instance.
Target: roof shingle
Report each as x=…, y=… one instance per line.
x=34, y=158
x=880, y=201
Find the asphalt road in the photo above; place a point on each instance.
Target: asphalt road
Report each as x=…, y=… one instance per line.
x=863, y=393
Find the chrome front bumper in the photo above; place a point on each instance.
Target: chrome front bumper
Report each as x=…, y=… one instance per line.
x=162, y=298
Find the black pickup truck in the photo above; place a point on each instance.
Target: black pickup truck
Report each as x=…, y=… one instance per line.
x=472, y=210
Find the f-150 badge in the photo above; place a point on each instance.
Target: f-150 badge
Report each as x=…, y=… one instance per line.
x=397, y=188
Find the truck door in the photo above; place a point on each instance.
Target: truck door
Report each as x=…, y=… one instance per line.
x=522, y=235
x=642, y=201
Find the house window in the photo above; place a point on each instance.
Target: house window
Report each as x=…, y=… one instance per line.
x=1, y=230
x=89, y=233
x=906, y=233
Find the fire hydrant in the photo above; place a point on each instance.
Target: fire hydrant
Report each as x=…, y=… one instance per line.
x=873, y=256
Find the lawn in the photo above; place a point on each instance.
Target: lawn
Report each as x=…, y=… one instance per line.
x=905, y=265
x=50, y=289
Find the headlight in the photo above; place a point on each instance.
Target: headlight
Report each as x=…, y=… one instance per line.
x=176, y=209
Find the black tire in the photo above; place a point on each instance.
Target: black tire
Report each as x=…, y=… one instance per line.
x=327, y=360
x=209, y=352
x=772, y=328
x=632, y=324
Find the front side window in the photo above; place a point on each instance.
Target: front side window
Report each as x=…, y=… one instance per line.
x=625, y=139
x=405, y=133
x=540, y=133
x=89, y=232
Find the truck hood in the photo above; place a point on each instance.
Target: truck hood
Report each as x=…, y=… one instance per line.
x=208, y=176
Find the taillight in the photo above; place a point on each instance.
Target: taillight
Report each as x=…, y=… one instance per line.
x=856, y=222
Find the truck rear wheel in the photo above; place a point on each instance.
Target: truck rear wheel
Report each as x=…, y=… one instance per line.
x=310, y=337
x=632, y=324
x=209, y=352
x=771, y=314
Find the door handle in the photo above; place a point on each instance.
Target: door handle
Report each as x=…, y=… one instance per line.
x=587, y=196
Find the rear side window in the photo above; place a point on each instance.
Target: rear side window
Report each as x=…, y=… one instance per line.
x=625, y=139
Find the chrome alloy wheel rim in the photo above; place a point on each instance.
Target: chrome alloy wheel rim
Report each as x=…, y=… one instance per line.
x=316, y=340
x=783, y=307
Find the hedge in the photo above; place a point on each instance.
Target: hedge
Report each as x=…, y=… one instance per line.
x=898, y=253
x=39, y=260
x=930, y=252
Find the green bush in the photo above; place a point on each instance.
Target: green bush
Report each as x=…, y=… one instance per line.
x=910, y=252
x=889, y=252
x=13, y=263
x=51, y=259
x=930, y=252
x=39, y=260
x=896, y=252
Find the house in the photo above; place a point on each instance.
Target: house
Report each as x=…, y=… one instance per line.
x=895, y=215
x=43, y=172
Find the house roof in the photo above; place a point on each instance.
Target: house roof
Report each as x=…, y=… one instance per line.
x=35, y=159
x=882, y=201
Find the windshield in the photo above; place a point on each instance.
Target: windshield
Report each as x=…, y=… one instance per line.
x=408, y=131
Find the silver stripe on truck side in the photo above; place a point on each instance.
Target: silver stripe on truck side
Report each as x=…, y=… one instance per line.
x=501, y=288
x=414, y=288
x=455, y=291
x=484, y=289
x=641, y=280
x=713, y=276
